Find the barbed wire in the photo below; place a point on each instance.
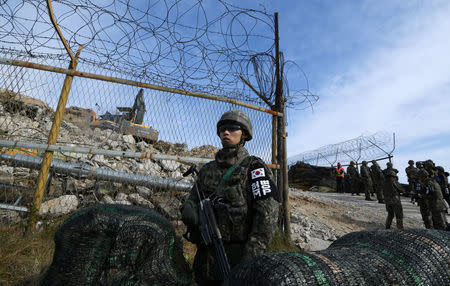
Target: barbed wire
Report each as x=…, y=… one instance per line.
x=192, y=45
x=365, y=147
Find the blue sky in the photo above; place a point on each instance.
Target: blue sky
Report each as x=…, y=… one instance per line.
x=377, y=66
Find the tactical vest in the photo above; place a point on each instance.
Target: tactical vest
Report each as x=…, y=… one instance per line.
x=232, y=196
x=338, y=172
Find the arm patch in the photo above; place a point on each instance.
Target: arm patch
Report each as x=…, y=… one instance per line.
x=261, y=184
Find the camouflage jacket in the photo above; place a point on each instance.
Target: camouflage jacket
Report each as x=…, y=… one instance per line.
x=434, y=195
x=246, y=203
x=411, y=172
x=365, y=174
x=377, y=174
x=391, y=188
x=352, y=173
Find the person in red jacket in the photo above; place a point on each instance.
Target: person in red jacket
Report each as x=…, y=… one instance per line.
x=339, y=172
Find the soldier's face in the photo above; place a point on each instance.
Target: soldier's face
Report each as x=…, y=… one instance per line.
x=232, y=137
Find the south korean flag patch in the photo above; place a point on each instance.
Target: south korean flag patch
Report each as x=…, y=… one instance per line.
x=258, y=173
x=261, y=185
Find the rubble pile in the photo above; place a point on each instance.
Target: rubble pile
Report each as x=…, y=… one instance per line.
x=30, y=121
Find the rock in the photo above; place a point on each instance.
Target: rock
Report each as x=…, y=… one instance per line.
x=112, y=143
x=136, y=199
x=141, y=146
x=167, y=204
x=62, y=205
x=176, y=175
x=129, y=139
x=169, y=165
x=152, y=167
x=9, y=217
x=107, y=200
x=206, y=151
x=144, y=191
x=121, y=197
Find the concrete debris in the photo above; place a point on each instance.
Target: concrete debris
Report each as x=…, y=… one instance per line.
x=31, y=121
x=62, y=205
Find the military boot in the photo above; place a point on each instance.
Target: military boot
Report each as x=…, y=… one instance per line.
x=388, y=223
x=400, y=223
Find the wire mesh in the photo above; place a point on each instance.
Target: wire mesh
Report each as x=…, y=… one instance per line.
x=376, y=257
x=363, y=148
x=144, y=48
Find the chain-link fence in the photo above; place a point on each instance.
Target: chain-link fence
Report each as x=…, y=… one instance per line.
x=128, y=131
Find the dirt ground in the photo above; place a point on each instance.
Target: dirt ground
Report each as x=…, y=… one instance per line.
x=317, y=219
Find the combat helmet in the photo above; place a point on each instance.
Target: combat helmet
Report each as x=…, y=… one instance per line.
x=410, y=162
x=239, y=117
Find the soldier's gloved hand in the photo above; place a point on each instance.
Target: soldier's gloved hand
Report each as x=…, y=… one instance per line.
x=189, y=214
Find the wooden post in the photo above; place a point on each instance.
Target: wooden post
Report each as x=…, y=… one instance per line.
x=282, y=179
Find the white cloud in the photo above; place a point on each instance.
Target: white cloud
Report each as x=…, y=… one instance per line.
x=401, y=87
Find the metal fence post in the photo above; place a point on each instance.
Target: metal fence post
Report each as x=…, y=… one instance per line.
x=48, y=156
x=282, y=180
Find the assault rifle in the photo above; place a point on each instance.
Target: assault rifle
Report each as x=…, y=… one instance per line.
x=209, y=230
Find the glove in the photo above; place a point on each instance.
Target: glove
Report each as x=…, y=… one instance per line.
x=189, y=214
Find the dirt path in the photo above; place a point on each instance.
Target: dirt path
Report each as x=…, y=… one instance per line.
x=317, y=219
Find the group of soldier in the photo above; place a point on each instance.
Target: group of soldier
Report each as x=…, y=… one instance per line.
x=428, y=187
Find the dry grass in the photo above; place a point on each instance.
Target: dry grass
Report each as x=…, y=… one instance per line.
x=24, y=256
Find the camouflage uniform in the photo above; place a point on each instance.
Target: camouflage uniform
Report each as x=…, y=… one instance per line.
x=392, y=197
x=353, y=177
x=377, y=180
x=442, y=179
x=366, y=179
x=245, y=206
x=411, y=171
x=435, y=198
x=423, y=202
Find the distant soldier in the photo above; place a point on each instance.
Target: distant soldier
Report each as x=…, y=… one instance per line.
x=354, y=178
x=435, y=198
x=422, y=194
x=339, y=173
x=442, y=179
x=377, y=180
x=392, y=197
x=366, y=179
x=410, y=174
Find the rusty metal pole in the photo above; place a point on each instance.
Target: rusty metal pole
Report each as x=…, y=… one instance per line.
x=284, y=166
x=48, y=155
x=276, y=120
x=274, y=145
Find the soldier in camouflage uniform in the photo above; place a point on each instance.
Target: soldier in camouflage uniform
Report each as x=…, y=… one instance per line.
x=422, y=201
x=246, y=200
x=354, y=179
x=434, y=196
x=392, y=197
x=366, y=179
x=442, y=179
x=410, y=174
x=377, y=180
